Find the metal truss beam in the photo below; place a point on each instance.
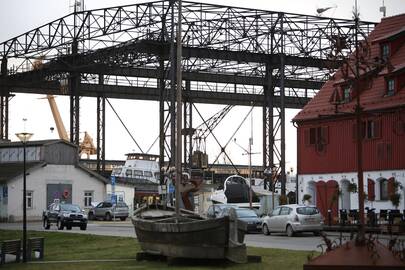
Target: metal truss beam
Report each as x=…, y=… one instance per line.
x=162, y=49
x=205, y=25
x=154, y=73
x=149, y=93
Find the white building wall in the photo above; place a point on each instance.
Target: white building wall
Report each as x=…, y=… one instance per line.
x=126, y=191
x=37, y=181
x=399, y=175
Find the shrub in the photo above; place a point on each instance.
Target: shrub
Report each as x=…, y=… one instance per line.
x=352, y=187
x=306, y=197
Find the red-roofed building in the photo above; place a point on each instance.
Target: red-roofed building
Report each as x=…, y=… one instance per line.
x=327, y=127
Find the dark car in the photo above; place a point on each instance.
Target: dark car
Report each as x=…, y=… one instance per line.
x=215, y=209
x=253, y=221
x=64, y=215
x=108, y=210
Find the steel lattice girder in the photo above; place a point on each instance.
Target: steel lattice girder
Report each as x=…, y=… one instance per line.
x=205, y=26
x=222, y=45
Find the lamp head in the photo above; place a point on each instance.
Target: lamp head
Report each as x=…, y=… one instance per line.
x=24, y=136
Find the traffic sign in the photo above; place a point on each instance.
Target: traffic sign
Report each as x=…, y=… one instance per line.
x=114, y=198
x=112, y=178
x=171, y=188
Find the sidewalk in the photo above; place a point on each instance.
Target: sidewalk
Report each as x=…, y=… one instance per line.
x=116, y=223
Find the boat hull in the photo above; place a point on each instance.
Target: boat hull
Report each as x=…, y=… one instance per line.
x=190, y=238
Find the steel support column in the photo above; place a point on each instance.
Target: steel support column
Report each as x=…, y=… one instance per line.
x=74, y=84
x=268, y=123
x=282, y=127
x=101, y=129
x=162, y=92
x=188, y=130
x=172, y=99
x=282, y=108
x=4, y=100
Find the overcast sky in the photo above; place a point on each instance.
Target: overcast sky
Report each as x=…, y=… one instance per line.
x=141, y=117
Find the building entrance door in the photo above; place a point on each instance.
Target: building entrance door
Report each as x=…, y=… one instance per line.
x=327, y=197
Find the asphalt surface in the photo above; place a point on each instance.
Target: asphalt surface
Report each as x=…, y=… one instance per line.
x=125, y=229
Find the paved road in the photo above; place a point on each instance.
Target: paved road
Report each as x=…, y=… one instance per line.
x=119, y=228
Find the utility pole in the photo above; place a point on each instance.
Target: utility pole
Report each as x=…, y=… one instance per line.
x=179, y=110
x=359, y=144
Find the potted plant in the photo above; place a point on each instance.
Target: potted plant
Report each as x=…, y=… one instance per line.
x=282, y=199
x=306, y=199
x=352, y=187
x=395, y=198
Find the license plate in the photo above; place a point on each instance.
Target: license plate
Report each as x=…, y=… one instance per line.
x=311, y=221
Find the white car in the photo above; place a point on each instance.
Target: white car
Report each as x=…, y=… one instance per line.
x=292, y=218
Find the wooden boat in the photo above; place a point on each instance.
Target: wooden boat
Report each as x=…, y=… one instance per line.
x=161, y=232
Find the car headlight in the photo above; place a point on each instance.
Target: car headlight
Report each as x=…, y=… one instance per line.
x=66, y=214
x=84, y=216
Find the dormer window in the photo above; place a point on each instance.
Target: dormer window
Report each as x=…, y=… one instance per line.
x=346, y=93
x=385, y=51
x=390, y=87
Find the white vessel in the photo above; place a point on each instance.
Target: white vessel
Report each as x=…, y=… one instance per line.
x=235, y=191
x=139, y=168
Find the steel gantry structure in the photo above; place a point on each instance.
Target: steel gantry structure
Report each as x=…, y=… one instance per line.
x=230, y=56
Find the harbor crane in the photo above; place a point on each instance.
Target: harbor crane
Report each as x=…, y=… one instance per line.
x=86, y=145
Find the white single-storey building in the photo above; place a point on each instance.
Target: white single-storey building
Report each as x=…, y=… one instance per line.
x=125, y=192
x=52, y=173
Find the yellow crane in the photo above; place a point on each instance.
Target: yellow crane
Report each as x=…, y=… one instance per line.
x=86, y=145
x=58, y=119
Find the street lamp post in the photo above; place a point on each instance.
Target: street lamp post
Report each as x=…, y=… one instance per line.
x=24, y=138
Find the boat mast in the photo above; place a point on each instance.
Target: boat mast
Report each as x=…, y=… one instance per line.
x=178, y=110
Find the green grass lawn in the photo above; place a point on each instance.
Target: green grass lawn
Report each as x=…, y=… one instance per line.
x=67, y=246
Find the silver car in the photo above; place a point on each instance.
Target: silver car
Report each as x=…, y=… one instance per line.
x=108, y=210
x=292, y=218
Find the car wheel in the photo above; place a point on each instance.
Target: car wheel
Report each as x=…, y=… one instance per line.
x=60, y=224
x=69, y=227
x=91, y=216
x=266, y=230
x=83, y=227
x=123, y=218
x=108, y=217
x=46, y=224
x=289, y=231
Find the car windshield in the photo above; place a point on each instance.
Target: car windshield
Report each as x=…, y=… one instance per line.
x=70, y=207
x=245, y=213
x=225, y=206
x=121, y=204
x=307, y=211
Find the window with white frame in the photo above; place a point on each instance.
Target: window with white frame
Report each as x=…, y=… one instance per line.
x=383, y=189
x=30, y=198
x=88, y=198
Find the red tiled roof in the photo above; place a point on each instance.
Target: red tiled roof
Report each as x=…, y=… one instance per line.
x=373, y=98
x=390, y=35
